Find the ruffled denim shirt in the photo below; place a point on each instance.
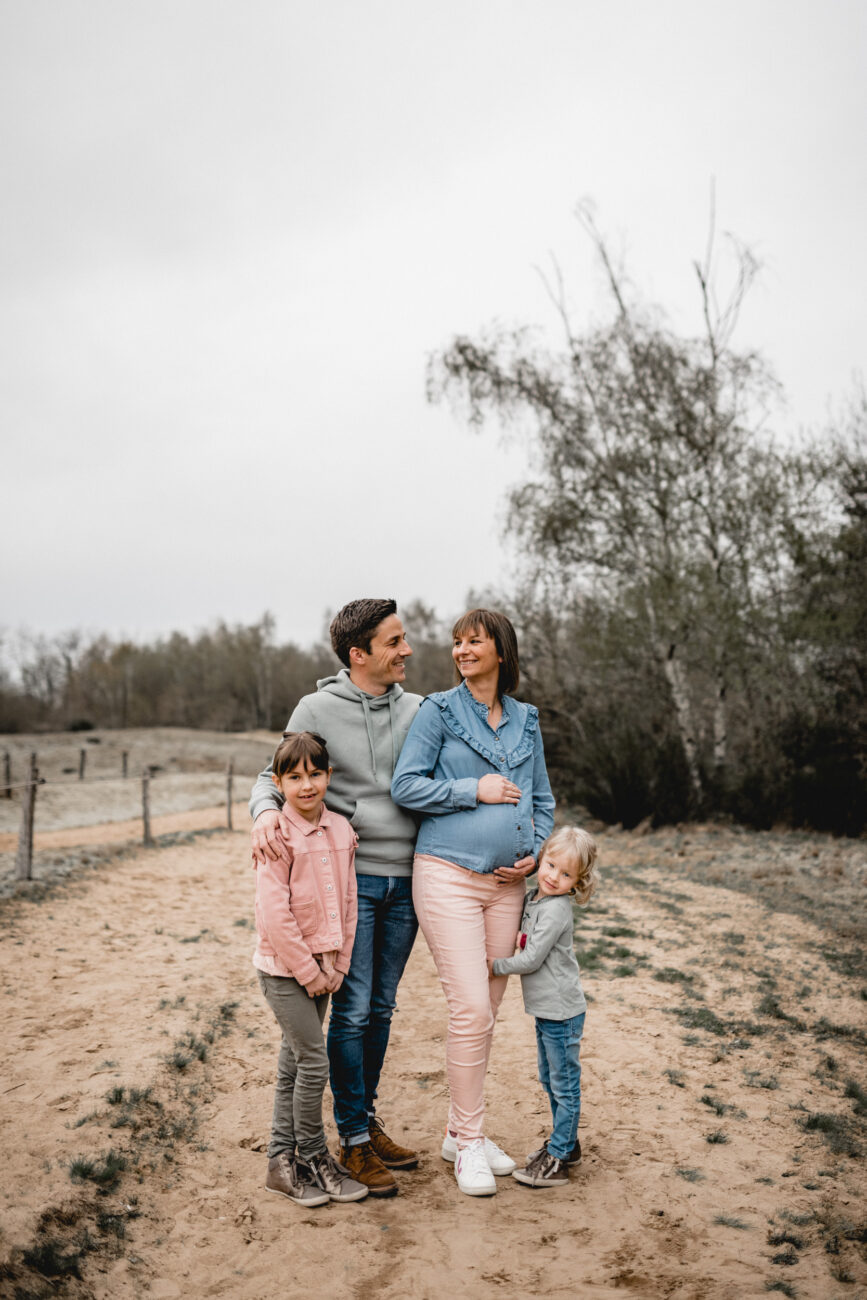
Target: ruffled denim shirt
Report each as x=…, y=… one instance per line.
x=450, y=746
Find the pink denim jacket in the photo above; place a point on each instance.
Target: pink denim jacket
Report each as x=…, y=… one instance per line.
x=306, y=902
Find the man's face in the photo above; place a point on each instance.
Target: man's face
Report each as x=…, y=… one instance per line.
x=389, y=650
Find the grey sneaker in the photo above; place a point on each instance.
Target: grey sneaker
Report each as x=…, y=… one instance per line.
x=292, y=1178
x=573, y=1158
x=545, y=1171
x=335, y=1179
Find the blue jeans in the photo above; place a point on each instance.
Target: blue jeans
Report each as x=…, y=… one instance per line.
x=361, y=1008
x=558, y=1044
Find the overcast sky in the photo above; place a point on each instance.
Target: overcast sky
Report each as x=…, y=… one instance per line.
x=231, y=234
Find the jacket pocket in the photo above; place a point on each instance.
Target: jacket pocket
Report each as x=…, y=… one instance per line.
x=306, y=914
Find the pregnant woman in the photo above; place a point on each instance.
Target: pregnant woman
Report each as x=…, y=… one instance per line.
x=474, y=767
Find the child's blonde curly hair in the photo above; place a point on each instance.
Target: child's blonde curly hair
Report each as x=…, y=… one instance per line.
x=579, y=847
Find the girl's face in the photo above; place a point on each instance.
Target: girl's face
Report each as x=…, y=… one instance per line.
x=304, y=788
x=475, y=654
x=557, y=874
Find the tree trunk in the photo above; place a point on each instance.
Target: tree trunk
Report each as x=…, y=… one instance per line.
x=676, y=677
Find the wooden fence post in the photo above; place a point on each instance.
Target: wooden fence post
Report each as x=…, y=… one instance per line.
x=24, y=857
x=82, y=763
x=146, y=806
x=124, y=759
x=229, y=774
x=7, y=773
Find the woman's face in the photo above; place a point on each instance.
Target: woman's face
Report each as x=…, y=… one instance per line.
x=475, y=654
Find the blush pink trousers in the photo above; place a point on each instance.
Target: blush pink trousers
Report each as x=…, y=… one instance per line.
x=467, y=917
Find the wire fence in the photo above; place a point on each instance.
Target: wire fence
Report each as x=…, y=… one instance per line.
x=33, y=781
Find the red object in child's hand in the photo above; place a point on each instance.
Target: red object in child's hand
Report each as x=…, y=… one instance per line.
x=522, y=941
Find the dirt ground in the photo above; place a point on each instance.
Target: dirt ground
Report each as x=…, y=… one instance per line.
x=724, y=1088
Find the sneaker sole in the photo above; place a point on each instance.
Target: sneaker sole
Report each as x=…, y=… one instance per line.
x=477, y=1191
x=531, y=1182
x=348, y=1197
x=309, y=1201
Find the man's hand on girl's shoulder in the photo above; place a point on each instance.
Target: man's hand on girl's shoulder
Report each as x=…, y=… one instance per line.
x=267, y=839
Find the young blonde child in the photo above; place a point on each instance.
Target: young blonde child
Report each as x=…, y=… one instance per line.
x=551, y=986
x=306, y=910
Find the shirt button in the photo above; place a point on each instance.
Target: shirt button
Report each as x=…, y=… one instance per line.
x=502, y=760
x=519, y=827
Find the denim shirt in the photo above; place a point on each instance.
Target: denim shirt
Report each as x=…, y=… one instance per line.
x=450, y=746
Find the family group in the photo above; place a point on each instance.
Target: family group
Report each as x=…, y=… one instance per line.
x=382, y=812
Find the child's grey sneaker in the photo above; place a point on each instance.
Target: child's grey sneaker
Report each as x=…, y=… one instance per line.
x=334, y=1179
x=545, y=1171
x=292, y=1178
x=573, y=1158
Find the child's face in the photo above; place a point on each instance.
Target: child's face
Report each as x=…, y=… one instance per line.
x=557, y=874
x=304, y=788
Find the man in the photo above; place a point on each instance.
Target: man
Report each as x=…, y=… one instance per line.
x=364, y=715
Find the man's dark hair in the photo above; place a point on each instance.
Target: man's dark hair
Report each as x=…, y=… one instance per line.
x=356, y=624
x=500, y=629
x=304, y=747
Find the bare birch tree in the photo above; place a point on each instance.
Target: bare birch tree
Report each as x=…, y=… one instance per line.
x=651, y=477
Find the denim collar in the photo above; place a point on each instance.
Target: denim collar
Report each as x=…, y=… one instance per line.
x=482, y=709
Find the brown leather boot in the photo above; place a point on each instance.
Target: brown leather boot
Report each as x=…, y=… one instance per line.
x=392, y=1155
x=365, y=1166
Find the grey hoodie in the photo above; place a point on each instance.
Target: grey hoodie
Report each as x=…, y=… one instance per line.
x=365, y=734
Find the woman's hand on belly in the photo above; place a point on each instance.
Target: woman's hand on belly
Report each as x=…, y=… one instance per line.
x=507, y=875
x=497, y=789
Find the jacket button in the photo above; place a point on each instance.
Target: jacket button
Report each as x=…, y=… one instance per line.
x=332, y=914
x=324, y=859
x=318, y=832
x=330, y=886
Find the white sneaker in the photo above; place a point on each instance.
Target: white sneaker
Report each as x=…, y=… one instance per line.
x=498, y=1162
x=473, y=1171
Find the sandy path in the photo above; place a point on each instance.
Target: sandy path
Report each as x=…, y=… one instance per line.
x=101, y=979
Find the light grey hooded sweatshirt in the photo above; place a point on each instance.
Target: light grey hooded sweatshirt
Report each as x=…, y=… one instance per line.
x=364, y=734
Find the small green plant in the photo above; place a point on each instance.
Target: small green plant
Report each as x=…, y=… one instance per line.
x=854, y=1091
x=731, y=1221
x=51, y=1258
x=676, y=1077
x=671, y=975
x=785, y=1237
x=691, y=1175
x=115, y=1095
x=717, y=1137
x=755, y=1079
x=178, y=1060
x=787, y=1257
x=785, y=1288
x=836, y=1130
x=105, y=1173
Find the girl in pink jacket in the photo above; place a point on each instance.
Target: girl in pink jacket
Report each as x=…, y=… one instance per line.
x=305, y=920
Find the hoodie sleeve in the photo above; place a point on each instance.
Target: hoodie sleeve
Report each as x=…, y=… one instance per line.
x=265, y=796
x=413, y=786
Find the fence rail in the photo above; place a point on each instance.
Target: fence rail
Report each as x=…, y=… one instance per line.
x=30, y=786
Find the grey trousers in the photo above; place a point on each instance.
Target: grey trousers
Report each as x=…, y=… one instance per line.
x=302, y=1067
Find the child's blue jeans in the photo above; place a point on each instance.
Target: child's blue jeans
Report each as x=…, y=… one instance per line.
x=558, y=1044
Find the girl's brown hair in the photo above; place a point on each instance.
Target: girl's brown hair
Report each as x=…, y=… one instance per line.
x=501, y=631
x=300, y=747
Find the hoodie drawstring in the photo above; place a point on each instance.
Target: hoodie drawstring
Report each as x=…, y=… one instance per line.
x=366, y=707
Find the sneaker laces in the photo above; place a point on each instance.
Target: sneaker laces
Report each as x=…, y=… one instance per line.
x=473, y=1159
